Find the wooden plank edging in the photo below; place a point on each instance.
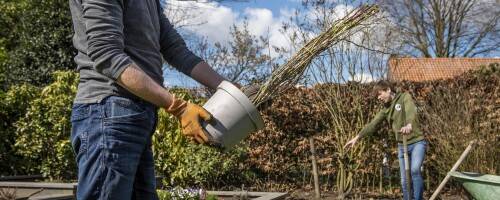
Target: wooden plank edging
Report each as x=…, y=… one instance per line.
x=69, y=186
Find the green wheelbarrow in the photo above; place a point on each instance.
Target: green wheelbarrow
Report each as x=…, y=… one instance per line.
x=480, y=186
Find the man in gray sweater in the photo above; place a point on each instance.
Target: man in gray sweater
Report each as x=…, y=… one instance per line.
x=120, y=46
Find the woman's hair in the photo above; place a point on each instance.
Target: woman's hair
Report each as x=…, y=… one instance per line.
x=383, y=85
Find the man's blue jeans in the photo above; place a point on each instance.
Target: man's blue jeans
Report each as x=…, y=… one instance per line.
x=112, y=144
x=416, y=154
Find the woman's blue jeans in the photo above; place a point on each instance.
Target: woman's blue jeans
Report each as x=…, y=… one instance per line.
x=416, y=155
x=112, y=144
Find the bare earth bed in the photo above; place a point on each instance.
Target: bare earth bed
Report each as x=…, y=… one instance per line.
x=306, y=195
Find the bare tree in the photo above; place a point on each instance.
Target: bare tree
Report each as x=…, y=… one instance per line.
x=182, y=12
x=446, y=28
x=245, y=58
x=360, y=57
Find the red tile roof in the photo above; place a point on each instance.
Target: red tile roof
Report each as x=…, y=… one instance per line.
x=426, y=69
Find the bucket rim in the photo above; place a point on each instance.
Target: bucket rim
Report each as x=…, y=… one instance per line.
x=243, y=100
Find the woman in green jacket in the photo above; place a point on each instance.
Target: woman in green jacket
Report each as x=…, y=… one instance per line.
x=400, y=112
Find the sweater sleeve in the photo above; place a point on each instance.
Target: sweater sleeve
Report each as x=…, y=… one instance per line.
x=174, y=49
x=104, y=29
x=371, y=127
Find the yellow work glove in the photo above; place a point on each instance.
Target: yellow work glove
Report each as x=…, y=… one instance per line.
x=190, y=116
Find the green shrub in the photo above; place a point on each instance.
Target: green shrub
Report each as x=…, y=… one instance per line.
x=13, y=106
x=3, y=57
x=42, y=135
x=42, y=139
x=35, y=40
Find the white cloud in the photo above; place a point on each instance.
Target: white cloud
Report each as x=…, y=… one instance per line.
x=259, y=20
x=217, y=24
x=208, y=19
x=340, y=11
x=373, y=30
x=326, y=1
x=213, y=21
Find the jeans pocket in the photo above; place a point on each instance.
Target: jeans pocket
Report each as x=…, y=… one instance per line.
x=80, y=144
x=80, y=112
x=117, y=108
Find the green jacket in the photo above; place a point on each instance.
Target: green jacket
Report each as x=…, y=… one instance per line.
x=401, y=112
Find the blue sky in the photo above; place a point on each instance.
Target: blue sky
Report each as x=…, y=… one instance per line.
x=274, y=5
x=264, y=17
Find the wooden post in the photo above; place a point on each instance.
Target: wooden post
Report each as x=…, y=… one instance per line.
x=428, y=184
x=406, y=160
x=381, y=180
x=460, y=160
x=407, y=167
x=390, y=184
x=317, y=194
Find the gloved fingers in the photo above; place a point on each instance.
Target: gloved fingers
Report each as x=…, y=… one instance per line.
x=205, y=115
x=198, y=132
x=192, y=135
x=203, y=135
x=186, y=129
x=187, y=132
x=198, y=139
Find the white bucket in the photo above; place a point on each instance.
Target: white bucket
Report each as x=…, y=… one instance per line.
x=235, y=117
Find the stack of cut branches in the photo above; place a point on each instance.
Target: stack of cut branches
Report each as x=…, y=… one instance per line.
x=288, y=75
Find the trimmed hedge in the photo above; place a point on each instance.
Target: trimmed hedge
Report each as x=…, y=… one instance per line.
x=452, y=113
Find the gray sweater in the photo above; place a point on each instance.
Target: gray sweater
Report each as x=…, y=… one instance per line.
x=111, y=34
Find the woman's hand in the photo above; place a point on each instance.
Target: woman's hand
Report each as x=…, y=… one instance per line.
x=351, y=142
x=406, y=129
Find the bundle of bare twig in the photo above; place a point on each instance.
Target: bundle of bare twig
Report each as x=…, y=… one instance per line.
x=287, y=75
